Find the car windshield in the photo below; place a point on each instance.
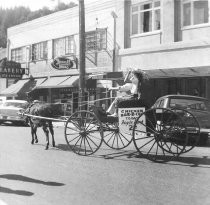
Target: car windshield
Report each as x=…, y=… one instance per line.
x=15, y=104
x=190, y=104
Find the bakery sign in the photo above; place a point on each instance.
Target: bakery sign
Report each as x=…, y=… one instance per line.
x=10, y=69
x=64, y=63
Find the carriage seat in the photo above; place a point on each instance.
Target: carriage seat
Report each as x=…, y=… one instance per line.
x=103, y=116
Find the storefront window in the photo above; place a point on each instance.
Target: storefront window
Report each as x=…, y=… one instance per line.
x=195, y=12
x=145, y=17
x=63, y=46
x=39, y=51
x=17, y=55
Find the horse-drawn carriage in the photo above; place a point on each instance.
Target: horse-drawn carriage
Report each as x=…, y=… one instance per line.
x=157, y=133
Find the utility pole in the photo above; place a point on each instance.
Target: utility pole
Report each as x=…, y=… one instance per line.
x=82, y=79
x=114, y=15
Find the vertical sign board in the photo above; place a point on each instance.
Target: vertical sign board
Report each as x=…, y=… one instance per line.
x=127, y=117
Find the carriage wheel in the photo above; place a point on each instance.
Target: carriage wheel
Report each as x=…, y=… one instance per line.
x=83, y=133
x=116, y=138
x=159, y=134
x=192, y=128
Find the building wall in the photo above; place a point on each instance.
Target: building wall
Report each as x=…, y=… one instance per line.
x=164, y=35
x=168, y=56
x=195, y=33
x=179, y=49
x=65, y=23
x=171, y=47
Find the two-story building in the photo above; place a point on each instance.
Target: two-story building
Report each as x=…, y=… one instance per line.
x=45, y=46
x=170, y=41
x=167, y=39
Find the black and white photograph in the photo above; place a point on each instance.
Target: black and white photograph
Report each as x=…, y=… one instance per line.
x=104, y=102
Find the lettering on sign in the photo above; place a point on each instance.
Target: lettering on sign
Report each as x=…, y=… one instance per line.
x=64, y=63
x=10, y=69
x=127, y=117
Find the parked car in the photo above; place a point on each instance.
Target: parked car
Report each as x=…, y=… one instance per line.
x=9, y=111
x=198, y=106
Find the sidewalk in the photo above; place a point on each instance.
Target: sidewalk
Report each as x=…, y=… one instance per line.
x=59, y=124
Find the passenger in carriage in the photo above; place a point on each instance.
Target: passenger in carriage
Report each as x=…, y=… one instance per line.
x=137, y=77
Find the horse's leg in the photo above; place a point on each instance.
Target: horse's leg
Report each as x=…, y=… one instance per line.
x=35, y=131
x=46, y=131
x=32, y=131
x=52, y=132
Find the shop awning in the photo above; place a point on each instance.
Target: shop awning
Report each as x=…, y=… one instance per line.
x=52, y=82
x=14, y=89
x=160, y=73
x=21, y=87
x=179, y=72
x=73, y=81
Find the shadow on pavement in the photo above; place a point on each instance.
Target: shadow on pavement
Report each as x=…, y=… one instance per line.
x=191, y=161
x=28, y=179
x=128, y=155
x=18, y=192
x=63, y=147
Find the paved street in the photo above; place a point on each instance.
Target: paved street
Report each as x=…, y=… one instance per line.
x=30, y=175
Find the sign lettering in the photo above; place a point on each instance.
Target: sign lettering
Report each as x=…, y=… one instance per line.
x=127, y=117
x=10, y=69
x=64, y=63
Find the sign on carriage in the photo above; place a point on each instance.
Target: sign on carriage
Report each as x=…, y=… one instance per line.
x=127, y=117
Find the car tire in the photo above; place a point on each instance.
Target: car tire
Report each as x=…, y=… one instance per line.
x=203, y=139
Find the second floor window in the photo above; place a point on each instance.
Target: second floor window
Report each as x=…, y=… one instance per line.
x=39, y=51
x=17, y=55
x=96, y=40
x=145, y=17
x=63, y=46
x=195, y=12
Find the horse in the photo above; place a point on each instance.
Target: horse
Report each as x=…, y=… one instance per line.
x=46, y=110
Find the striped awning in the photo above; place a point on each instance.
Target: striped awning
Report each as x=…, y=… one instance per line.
x=21, y=87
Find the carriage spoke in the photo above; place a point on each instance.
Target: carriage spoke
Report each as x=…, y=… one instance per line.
x=112, y=134
x=70, y=128
x=153, y=130
x=113, y=140
x=146, y=143
x=89, y=144
x=151, y=148
x=169, y=149
x=121, y=139
x=80, y=144
x=91, y=123
x=141, y=131
x=86, y=125
x=141, y=138
x=124, y=137
x=91, y=128
x=91, y=141
x=77, y=142
x=74, y=138
x=75, y=124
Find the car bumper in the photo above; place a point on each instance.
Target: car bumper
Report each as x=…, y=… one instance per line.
x=11, y=118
